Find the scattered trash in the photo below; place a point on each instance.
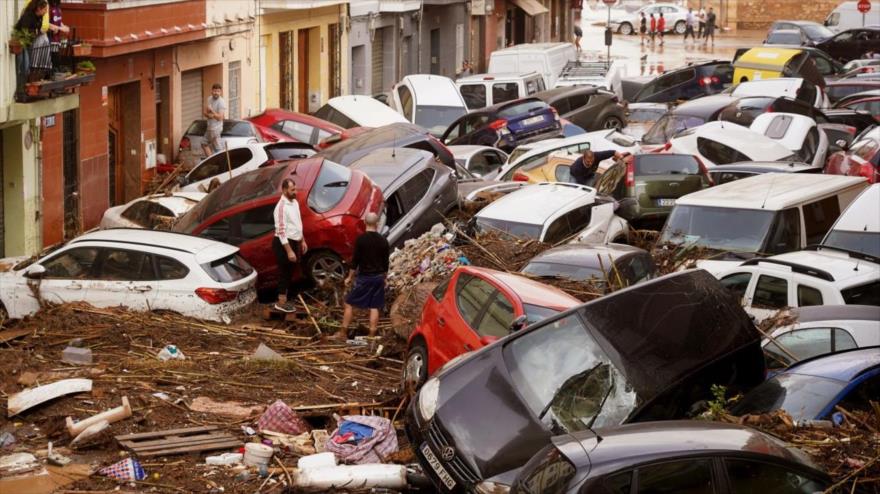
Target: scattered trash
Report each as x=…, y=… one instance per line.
x=243, y=476
x=89, y=432
x=256, y=454
x=225, y=408
x=170, y=352
x=362, y=439
x=162, y=396
x=265, y=353
x=22, y=473
x=125, y=470
x=426, y=258
x=280, y=418
x=56, y=458
x=248, y=431
x=301, y=444
x=224, y=459
x=319, y=460
x=77, y=356
x=18, y=463
x=321, y=473
x=30, y=398
x=109, y=416
x=320, y=437
x=6, y=439
x=178, y=441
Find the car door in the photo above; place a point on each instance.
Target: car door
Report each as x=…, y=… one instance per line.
x=581, y=113
x=746, y=475
x=123, y=277
x=770, y=294
x=173, y=291
x=675, y=475
x=68, y=274
x=251, y=229
x=471, y=296
x=424, y=210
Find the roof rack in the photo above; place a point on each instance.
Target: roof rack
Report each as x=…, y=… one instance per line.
x=579, y=68
x=852, y=253
x=796, y=268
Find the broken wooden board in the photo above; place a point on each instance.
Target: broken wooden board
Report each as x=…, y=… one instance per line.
x=178, y=441
x=11, y=334
x=30, y=398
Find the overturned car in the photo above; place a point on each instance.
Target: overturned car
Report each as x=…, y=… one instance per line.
x=649, y=352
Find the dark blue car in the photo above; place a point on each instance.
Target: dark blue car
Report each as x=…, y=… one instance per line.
x=505, y=125
x=810, y=389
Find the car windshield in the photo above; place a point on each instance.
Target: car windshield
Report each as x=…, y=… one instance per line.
x=512, y=228
x=668, y=126
x=666, y=164
x=437, y=118
x=569, y=271
x=535, y=313
x=729, y=229
x=864, y=242
x=802, y=396
x=817, y=31
x=516, y=153
x=228, y=269
x=330, y=187
x=566, y=379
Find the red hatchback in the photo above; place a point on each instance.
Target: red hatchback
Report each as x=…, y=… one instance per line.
x=297, y=126
x=862, y=159
x=333, y=202
x=475, y=307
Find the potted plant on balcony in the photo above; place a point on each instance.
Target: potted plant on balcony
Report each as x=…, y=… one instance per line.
x=19, y=40
x=85, y=67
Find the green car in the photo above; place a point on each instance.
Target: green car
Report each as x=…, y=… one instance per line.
x=646, y=186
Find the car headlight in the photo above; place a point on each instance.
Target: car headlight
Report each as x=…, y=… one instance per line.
x=428, y=398
x=491, y=488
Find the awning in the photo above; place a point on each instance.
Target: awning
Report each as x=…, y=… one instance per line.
x=532, y=7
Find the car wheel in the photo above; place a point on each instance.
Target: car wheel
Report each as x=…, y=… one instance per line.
x=415, y=369
x=325, y=266
x=4, y=315
x=625, y=29
x=612, y=122
x=680, y=27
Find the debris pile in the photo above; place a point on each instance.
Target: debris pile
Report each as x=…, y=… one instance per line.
x=430, y=257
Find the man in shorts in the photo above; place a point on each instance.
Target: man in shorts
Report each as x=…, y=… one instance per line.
x=215, y=112
x=369, y=265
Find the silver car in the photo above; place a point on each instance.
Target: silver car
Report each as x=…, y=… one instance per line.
x=675, y=18
x=236, y=133
x=480, y=161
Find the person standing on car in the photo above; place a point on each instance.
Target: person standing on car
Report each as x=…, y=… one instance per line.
x=369, y=265
x=653, y=30
x=689, y=23
x=583, y=169
x=643, y=27
x=661, y=27
x=710, y=26
x=215, y=112
x=288, y=244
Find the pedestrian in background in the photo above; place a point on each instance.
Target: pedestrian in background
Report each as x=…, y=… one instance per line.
x=653, y=26
x=578, y=34
x=643, y=27
x=289, y=244
x=369, y=265
x=215, y=112
x=701, y=17
x=661, y=27
x=466, y=69
x=710, y=26
x=689, y=24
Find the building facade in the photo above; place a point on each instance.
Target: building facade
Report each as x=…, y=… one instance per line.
x=383, y=39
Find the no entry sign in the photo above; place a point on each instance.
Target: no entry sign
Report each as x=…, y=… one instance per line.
x=864, y=6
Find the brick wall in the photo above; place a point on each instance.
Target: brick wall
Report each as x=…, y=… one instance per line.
x=52, y=200
x=759, y=14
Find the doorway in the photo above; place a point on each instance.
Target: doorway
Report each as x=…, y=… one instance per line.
x=163, y=117
x=70, y=165
x=302, y=70
x=435, y=51
x=124, y=130
x=285, y=50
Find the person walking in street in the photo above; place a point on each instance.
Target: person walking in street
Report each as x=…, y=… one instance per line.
x=578, y=34
x=710, y=26
x=583, y=169
x=701, y=17
x=643, y=27
x=215, y=112
x=661, y=27
x=689, y=24
x=369, y=265
x=289, y=245
x=466, y=69
x=653, y=26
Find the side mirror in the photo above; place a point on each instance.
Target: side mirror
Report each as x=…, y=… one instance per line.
x=34, y=271
x=519, y=323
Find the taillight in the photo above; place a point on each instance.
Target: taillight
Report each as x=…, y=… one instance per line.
x=184, y=143
x=867, y=171
x=704, y=171
x=216, y=295
x=270, y=162
x=498, y=124
x=706, y=81
x=630, y=172
x=520, y=177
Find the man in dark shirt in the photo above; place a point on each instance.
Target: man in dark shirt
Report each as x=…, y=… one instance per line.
x=583, y=169
x=368, y=268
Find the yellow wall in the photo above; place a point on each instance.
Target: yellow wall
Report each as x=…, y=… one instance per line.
x=21, y=189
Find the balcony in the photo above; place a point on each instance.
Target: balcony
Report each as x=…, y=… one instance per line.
x=51, y=71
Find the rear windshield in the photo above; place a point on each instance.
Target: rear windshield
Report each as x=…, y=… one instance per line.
x=670, y=125
x=836, y=92
x=231, y=128
x=864, y=242
x=437, y=118
x=520, y=109
x=512, y=228
x=576, y=273
x=645, y=114
x=802, y=396
x=867, y=294
x=746, y=110
x=666, y=164
x=817, y=31
x=784, y=38
x=330, y=187
x=228, y=269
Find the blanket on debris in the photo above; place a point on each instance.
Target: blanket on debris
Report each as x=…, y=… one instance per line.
x=362, y=439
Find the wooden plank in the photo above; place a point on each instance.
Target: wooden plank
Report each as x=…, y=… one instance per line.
x=174, y=442
x=162, y=447
x=193, y=449
x=170, y=432
x=11, y=334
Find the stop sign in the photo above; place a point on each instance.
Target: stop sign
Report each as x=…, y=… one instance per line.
x=864, y=6
x=612, y=2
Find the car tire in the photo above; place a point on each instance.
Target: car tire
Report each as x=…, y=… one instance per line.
x=612, y=122
x=4, y=315
x=680, y=27
x=626, y=29
x=415, y=367
x=325, y=266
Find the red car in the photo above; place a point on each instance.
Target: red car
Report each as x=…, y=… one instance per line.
x=475, y=307
x=342, y=136
x=333, y=202
x=274, y=123
x=862, y=159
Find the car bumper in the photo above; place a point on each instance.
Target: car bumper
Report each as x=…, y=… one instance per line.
x=226, y=311
x=430, y=436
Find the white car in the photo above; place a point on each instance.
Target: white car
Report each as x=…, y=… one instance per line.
x=798, y=133
x=858, y=228
x=358, y=111
x=482, y=90
x=482, y=161
x=227, y=164
x=675, y=16
x=554, y=212
x=535, y=153
x=783, y=87
x=150, y=211
x=721, y=143
x=803, y=278
x=141, y=270
x=432, y=101
x=820, y=330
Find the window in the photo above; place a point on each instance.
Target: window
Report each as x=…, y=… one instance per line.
x=860, y=397
x=531, y=87
x=494, y=159
x=786, y=233
x=234, y=90
x=808, y=296
x=578, y=100
x=220, y=163
x=474, y=95
x=872, y=107
x=454, y=131
x=868, y=148
x=75, y=264
x=479, y=164
x=329, y=188
x=807, y=93
x=249, y=224
x=724, y=177
x=125, y=265
x=620, y=483
x=394, y=209
x=504, y=91
x=868, y=294
x=819, y=216
x=771, y=293
x=170, y=269
x=471, y=296
x=144, y=213
x=718, y=153
x=562, y=106
x=669, y=81
x=298, y=130
x=228, y=269
x=440, y=290
x=641, y=267
x=778, y=127
x=748, y=476
x=806, y=343
x=406, y=101
x=666, y=164
x=563, y=173
x=737, y=283
x=811, y=144
x=219, y=230
x=823, y=65
x=690, y=476
x=550, y=476
x=332, y=115
x=416, y=188
x=497, y=318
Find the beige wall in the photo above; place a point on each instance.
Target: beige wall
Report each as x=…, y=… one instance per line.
x=21, y=189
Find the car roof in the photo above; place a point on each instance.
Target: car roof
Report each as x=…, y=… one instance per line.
x=788, y=86
x=586, y=255
x=496, y=76
x=204, y=249
x=385, y=166
x=704, y=106
x=735, y=136
x=817, y=313
x=534, y=204
x=373, y=113
x=556, y=92
x=282, y=114
x=798, y=23
x=499, y=106
x=772, y=191
x=845, y=270
x=861, y=214
x=843, y=366
x=764, y=167
x=464, y=151
x=533, y=47
x=529, y=291
x=433, y=90
x=178, y=202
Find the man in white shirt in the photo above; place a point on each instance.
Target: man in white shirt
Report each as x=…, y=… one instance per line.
x=288, y=244
x=690, y=23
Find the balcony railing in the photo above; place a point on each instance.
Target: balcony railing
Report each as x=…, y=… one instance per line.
x=51, y=70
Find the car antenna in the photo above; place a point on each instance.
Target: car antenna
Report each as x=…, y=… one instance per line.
x=769, y=188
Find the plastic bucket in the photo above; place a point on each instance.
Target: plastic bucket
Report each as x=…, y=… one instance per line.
x=257, y=454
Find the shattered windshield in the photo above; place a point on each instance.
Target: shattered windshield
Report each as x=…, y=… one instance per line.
x=566, y=379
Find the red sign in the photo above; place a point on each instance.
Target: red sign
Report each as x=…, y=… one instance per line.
x=609, y=2
x=864, y=6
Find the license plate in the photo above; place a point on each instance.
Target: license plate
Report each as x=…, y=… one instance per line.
x=666, y=202
x=441, y=472
x=533, y=120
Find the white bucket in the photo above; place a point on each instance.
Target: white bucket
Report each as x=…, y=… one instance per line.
x=256, y=454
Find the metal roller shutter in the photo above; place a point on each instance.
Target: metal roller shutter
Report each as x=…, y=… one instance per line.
x=377, y=59
x=191, y=99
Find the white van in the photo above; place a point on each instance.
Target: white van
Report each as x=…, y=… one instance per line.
x=482, y=90
x=858, y=228
x=547, y=59
x=847, y=16
x=358, y=111
x=432, y=101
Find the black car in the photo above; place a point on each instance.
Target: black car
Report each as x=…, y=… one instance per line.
x=808, y=32
x=585, y=106
x=670, y=457
x=404, y=135
x=647, y=352
x=692, y=81
x=685, y=116
x=506, y=125
x=852, y=43
x=624, y=265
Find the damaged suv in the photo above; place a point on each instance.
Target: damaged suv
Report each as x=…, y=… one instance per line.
x=649, y=352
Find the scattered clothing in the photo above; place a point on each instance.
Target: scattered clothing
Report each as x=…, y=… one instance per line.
x=370, y=449
x=352, y=432
x=280, y=418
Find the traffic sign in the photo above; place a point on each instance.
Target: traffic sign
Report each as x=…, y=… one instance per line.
x=609, y=2
x=864, y=6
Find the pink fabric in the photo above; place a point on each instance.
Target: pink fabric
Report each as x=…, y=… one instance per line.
x=374, y=449
x=280, y=418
